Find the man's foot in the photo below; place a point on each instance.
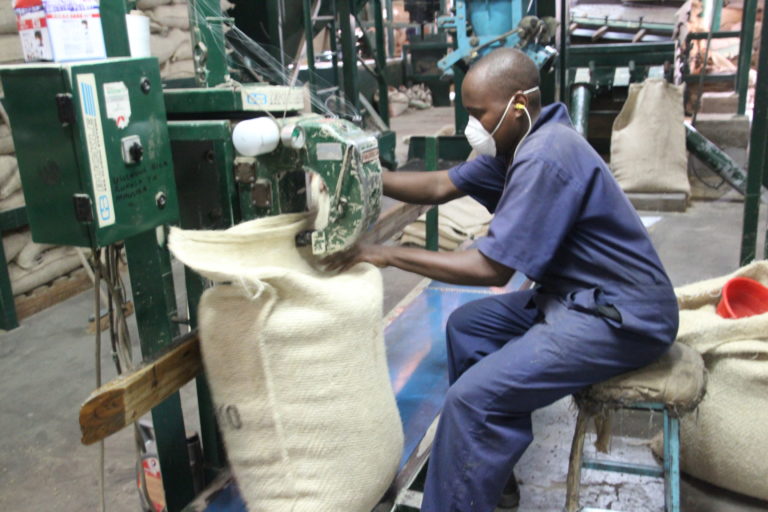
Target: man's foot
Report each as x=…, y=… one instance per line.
x=510, y=496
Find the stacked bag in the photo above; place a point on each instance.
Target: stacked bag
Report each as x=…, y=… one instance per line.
x=170, y=39
x=31, y=264
x=459, y=220
x=10, y=46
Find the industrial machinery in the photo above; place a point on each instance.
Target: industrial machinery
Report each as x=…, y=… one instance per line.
x=126, y=155
x=480, y=26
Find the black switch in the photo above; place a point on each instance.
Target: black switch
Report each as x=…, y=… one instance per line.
x=136, y=151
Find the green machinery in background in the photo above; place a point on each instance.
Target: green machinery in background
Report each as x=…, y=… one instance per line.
x=126, y=155
x=596, y=76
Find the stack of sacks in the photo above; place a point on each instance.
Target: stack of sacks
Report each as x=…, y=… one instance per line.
x=10, y=45
x=11, y=195
x=31, y=264
x=459, y=220
x=170, y=39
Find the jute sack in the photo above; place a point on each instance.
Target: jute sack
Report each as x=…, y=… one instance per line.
x=6, y=140
x=296, y=362
x=150, y=4
x=174, y=16
x=163, y=47
x=648, y=140
x=55, y=264
x=13, y=243
x=725, y=442
x=178, y=69
x=15, y=200
x=7, y=18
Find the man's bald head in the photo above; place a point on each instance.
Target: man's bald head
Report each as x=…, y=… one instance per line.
x=490, y=88
x=504, y=72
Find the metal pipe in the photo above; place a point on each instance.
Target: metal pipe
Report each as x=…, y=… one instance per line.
x=348, y=52
x=581, y=98
x=309, y=36
x=431, y=235
x=716, y=159
x=390, y=29
x=757, y=154
x=381, y=61
x=745, y=52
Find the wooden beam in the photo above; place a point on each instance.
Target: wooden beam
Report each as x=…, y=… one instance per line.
x=639, y=35
x=48, y=295
x=125, y=399
x=393, y=221
x=599, y=33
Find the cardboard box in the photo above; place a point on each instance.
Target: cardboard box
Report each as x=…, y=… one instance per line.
x=60, y=30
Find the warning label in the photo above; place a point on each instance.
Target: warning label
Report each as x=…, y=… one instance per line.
x=117, y=103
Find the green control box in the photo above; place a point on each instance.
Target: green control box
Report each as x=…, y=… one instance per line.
x=93, y=149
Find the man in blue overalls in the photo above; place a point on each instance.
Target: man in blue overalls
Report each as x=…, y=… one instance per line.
x=603, y=304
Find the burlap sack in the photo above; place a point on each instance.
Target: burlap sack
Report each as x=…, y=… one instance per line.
x=174, y=16
x=150, y=4
x=458, y=221
x=178, y=69
x=6, y=140
x=56, y=263
x=648, y=139
x=10, y=49
x=32, y=255
x=13, y=243
x=725, y=442
x=164, y=47
x=15, y=200
x=296, y=362
x=7, y=18
x=10, y=180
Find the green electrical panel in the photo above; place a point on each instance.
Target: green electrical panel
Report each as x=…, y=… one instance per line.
x=93, y=149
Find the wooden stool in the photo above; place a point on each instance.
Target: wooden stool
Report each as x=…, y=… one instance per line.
x=674, y=385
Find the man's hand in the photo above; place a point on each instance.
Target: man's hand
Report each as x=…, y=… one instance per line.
x=468, y=267
x=342, y=261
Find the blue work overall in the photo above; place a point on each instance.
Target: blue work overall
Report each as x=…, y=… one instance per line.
x=603, y=306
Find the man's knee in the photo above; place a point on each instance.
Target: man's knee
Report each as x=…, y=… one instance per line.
x=461, y=319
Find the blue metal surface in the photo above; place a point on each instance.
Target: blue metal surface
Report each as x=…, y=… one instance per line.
x=494, y=17
x=489, y=18
x=416, y=355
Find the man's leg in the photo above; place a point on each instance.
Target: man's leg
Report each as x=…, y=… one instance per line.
x=483, y=326
x=485, y=425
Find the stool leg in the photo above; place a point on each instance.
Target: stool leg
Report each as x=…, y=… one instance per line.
x=673, y=505
x=574, y=463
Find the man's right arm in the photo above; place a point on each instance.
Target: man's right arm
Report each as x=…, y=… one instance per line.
x=434, y=187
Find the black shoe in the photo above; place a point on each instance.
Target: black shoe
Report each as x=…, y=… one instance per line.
x=510, y=496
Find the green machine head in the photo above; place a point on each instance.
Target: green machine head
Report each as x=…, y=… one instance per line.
x=340, y=160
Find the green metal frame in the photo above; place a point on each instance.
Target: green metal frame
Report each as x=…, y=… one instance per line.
x=745, y=52
x=757, y=172
x=432, y=236
x=9, y=220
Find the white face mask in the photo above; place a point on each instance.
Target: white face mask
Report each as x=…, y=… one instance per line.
x=482, y=141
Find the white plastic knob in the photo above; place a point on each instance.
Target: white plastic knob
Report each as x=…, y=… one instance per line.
x=256, y=137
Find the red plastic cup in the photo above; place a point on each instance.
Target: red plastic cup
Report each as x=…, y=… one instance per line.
x=743, y=297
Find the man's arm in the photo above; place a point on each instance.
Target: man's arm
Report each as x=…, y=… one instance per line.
x=462, y=267
x=433, y=187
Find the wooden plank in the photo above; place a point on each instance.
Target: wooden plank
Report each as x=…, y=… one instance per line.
x=47, y=296
x=393, y=221
x=125, y=399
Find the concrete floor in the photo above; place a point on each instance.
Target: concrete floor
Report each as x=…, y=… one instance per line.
x=46, y=371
